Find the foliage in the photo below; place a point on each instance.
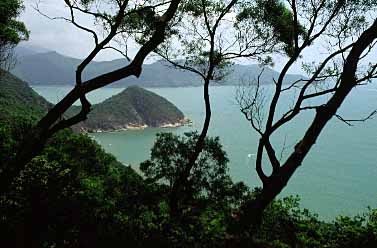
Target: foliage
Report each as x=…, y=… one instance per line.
x=346, y=33
x=11, y=30
x=17, y=99
x=76, y=195
x=73, y=194
x=134, y=105
x=209, y=47
x=286, y=225
x=209, y=177
x=64, y=193
x=274, y=15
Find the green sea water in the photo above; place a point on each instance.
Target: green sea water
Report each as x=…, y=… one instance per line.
x=339, y=176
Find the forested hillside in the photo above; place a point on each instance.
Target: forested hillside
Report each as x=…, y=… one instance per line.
x=17, y=99
x=59, y=188
x=134, y=107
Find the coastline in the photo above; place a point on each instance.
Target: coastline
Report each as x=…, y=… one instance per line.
x=180, y=123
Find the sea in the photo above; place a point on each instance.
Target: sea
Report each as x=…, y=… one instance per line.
x=338, y=177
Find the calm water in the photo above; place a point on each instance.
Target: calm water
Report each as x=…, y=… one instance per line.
x=338, y=176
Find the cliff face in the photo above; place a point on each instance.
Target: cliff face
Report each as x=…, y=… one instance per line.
x=134, y=107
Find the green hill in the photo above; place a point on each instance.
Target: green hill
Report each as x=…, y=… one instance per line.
x=134, y=107
x=17, y=99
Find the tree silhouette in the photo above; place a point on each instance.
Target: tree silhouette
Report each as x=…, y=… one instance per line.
x=149, y=21
x=207, y=49
x=12, y=31
x=348, y=29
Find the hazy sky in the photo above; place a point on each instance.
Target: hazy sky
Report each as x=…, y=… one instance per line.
x=58, y=35
x=64, y=38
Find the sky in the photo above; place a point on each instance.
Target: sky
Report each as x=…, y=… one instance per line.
x=59, y=35
x=64, y=38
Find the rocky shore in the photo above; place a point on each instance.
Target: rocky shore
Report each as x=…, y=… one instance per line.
x=133, y=108
x=131, y=126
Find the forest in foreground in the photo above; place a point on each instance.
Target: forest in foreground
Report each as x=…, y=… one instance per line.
x=61, y=189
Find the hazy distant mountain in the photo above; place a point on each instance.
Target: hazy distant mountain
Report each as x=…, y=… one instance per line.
x=26, y=49
x=52, y=68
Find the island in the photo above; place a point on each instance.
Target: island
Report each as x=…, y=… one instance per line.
x=133, y=108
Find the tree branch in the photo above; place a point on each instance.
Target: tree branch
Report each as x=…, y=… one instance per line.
x=37, y=137
x=349, y=121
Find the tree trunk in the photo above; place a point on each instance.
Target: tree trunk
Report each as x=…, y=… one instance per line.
x=252, y=211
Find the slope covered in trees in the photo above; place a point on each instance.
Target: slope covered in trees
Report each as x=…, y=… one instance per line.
x=58, y=189
x=73, y=194
x=134, y=107
x=65, y=193
x=17, y=99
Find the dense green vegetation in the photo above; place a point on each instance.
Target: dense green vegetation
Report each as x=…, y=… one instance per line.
x=210, y=179
x=17, y=99
x=133, y=107
x=75, y=195
x=64, y=190
x=12, y=31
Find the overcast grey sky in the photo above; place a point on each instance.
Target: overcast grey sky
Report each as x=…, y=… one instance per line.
x=64, y=38
x=58, y=35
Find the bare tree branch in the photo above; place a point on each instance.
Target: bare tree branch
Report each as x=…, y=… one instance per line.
x=349, y=121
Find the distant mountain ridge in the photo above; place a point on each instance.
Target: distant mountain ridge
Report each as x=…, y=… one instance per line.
x=134, y=107
x=26, y=49
x=52, y=68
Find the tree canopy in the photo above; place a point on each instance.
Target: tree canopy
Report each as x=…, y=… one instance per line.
x=12, y=31
x=209, y=177
x=58, y=188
